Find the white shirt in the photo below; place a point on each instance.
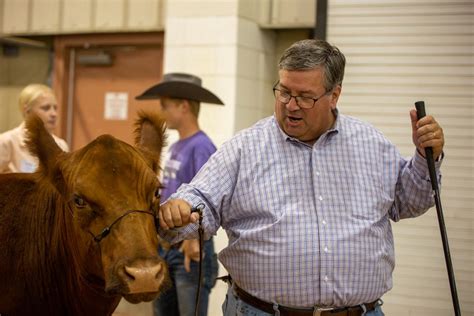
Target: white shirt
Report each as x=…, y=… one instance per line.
x=14, y=156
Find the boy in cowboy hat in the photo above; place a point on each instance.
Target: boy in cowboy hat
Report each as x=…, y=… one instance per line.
x=180, y=95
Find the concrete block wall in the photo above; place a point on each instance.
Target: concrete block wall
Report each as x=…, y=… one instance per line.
x=232, y=55
x=256, y=73
x=204, y=46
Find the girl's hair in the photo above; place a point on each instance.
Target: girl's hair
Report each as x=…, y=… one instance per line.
x=30, y=94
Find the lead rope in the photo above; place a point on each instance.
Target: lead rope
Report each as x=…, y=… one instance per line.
x=98, y=238
x=198, y=208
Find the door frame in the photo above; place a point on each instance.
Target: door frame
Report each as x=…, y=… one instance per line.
x=63, y=69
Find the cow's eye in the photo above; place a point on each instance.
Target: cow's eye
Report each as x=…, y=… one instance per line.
x=79, y=201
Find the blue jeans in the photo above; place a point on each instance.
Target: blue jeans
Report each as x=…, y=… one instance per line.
x=180, y=299
x=234, y=306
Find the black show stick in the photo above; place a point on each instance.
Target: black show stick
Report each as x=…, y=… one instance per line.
x=420, y=112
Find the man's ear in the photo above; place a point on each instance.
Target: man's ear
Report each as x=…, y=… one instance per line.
x=335, y=93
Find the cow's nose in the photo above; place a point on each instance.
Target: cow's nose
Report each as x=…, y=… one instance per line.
x=145, y=279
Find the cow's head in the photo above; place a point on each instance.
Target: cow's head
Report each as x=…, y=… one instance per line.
x=111, y=191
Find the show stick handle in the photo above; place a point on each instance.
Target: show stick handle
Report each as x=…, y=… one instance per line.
x=420, y=113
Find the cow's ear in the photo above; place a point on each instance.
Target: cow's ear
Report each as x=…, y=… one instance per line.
x=41, y=144
x=150, y=134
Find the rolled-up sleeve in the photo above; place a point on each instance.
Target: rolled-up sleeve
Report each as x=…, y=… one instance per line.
x=414, y=193
x=212, y=186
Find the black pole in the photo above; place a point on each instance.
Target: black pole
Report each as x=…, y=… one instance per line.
x=420, y=112
x=321, y=19
x=198, y=208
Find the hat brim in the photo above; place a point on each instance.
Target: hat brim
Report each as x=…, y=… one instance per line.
x=180, y=90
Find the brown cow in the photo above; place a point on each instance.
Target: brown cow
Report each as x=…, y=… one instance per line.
x=79, y=234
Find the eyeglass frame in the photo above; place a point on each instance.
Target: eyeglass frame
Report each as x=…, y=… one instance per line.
x=298, y=96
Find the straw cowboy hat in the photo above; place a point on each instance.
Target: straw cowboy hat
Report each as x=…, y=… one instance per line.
x=180, y=86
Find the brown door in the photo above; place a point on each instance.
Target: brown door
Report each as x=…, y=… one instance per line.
x=104, y=75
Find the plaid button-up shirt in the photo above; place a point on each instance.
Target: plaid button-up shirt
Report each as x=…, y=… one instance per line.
x=309, y=225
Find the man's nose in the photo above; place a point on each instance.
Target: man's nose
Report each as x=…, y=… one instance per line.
x=292, y=105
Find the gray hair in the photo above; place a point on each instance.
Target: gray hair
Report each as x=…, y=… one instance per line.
x=310, y=54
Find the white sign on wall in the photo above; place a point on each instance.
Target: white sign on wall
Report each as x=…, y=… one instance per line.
x=116, y=106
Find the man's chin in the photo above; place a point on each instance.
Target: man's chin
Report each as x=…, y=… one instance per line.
x=292, y=132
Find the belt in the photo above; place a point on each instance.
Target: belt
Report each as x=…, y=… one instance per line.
x=290, y=311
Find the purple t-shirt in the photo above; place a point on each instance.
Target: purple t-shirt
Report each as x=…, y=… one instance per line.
x=187, y=157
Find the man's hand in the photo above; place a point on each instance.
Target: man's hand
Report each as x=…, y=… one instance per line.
x=426, y=132
x=190, y=250
x=176, y=213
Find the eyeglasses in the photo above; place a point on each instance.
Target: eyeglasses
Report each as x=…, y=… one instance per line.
x=303, y=102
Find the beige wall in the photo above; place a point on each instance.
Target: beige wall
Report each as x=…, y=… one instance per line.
x=30, y=66
x=80, y=16
x=10, y=115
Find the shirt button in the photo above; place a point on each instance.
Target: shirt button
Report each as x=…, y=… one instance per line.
x=320, y=198
x=326, y=249
x=324, y=222
x=317, y=173
x=326, y=278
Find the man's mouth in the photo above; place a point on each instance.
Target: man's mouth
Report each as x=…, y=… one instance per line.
x=294, y=119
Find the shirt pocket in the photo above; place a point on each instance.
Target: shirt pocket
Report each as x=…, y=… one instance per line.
x=362, y=192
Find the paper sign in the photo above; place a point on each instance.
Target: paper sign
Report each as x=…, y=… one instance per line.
x=116, y=106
